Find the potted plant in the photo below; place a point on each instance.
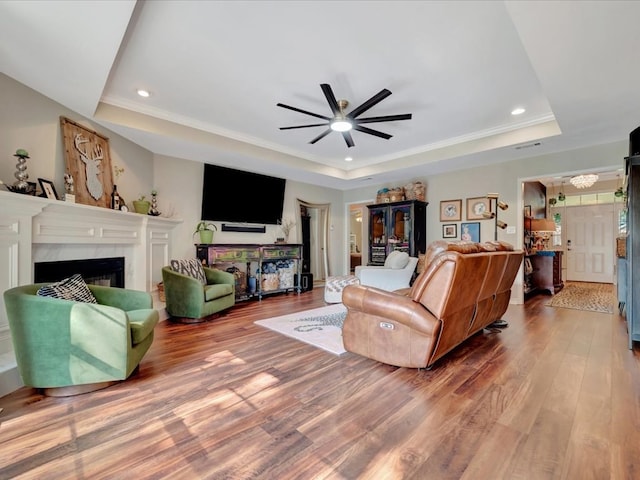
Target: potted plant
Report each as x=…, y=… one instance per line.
x=205, y=229
x=141, y=205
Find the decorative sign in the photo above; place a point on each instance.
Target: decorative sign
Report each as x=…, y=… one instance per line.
x=88, y=162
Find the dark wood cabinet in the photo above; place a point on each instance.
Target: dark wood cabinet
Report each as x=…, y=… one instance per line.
x=543, y=272
x=397, y=226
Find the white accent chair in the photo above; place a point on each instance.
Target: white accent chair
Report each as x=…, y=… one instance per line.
x=396, y=273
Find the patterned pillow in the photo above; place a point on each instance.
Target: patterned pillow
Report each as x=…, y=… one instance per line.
x=72, y=288
x=191, y=267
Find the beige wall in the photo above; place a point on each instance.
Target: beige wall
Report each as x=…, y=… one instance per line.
x=506, y=179
x=31, y=121
x=179, y=184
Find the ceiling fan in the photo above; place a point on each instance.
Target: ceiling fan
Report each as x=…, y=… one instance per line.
x=345, y=122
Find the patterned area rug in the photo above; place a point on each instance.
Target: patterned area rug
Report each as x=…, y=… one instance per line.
x=320, y=327
x=595, y=297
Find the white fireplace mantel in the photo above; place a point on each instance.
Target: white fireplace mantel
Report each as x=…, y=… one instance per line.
x=34, y=229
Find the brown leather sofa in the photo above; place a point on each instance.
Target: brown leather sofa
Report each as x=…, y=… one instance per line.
x=464, y=287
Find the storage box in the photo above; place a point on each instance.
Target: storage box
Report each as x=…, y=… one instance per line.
x=286, y=277
x=270, y=281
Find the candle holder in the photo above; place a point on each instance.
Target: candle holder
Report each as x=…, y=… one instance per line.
x=21, y=185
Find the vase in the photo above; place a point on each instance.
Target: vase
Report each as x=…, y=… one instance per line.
x=206, y=236
x=141, y=206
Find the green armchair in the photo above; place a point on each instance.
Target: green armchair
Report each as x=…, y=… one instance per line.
x=189, y=301
x=67, y=348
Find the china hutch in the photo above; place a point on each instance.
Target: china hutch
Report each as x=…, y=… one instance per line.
x=397, y=226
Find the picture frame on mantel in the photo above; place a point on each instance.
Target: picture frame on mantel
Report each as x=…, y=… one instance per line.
x=88, y=161
x=48, y=189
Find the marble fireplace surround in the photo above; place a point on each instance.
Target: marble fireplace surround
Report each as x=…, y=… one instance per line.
x=34, y=229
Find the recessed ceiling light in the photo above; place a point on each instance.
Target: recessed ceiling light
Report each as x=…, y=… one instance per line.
x=143, y=93
x=518, y=111
x=348, y=159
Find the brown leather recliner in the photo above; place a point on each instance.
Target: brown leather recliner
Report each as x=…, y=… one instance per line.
x=464, y=288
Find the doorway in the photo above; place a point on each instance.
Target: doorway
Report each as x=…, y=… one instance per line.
x=588, y=218
x=590, y=243
x=313, y=229
x=357, y=237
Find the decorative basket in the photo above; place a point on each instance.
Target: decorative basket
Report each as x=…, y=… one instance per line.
x=415, y=191
x=286, y=277
x=270, y=281
x=390, y=195
x=161, y=292
x=621, y=247
x=241, y=279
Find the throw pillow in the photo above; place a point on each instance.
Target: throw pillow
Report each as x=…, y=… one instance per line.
x=73, y=288
x=397, y=259
x=191, y=267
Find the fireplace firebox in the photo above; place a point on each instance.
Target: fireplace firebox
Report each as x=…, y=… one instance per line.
x=96, y=271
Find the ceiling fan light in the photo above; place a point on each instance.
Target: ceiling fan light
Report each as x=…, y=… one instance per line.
x=341, y=125
x=584, y=181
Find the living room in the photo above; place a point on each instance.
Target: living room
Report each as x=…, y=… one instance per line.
x=30, y=119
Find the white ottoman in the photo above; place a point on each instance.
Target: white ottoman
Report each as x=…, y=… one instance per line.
x=334, y=286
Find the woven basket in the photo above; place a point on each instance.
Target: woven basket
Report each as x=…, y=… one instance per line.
x=270, y=281
x=415, y=191
x=161, y=292
x=621, y=247
x=391, y=195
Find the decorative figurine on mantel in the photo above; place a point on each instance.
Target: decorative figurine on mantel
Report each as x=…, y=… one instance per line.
x=21, y=185
x=69, y=188
x=154, y=204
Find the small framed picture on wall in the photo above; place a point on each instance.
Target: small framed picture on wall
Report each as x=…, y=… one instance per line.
x=470, y=232
x=450, y=210
x=476, y=207
x=449, y=230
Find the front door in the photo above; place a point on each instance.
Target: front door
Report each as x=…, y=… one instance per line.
x=590, y=232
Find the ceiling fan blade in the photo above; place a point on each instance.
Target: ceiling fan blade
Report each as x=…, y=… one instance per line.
x=321, y=136
x=304, y=126
x=303, y=111
x=378, y=97
x=384, y=118
x=331, y=98
x=370, y=131
x=347, y=138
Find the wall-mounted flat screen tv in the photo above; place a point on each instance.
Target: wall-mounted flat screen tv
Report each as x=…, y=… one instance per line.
x=230, y=195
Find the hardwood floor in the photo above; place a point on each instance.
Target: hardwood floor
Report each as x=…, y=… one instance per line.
x=554, y=395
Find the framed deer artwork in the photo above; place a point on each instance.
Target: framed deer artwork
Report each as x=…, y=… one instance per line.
x=88, y=162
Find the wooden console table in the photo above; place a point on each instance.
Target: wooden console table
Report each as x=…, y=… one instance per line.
x=275, y=267
x=546, y=274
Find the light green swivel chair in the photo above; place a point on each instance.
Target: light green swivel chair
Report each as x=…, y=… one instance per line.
x=191, y=300
x=66, y=348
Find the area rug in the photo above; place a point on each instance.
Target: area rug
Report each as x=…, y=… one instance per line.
x=320, y=327
x=594, y=297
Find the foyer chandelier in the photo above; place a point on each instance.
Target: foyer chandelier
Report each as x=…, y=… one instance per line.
x=584, y=181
